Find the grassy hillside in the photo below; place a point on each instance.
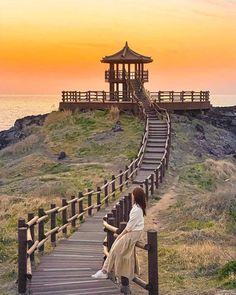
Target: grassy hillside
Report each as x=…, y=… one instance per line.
x=31, y=176
x=196, y=216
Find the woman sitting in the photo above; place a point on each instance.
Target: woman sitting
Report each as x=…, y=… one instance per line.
x=122, y=257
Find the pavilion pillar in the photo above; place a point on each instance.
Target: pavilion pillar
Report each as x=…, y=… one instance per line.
x=135, y=69
x=142, y=73
x=129, y=81
x=139, y=70
x=124, y=84
x=117, y=79
x=111, y=83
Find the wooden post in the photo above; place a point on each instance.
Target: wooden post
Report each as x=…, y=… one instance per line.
x=113, y=186
x=126, y=174
x=157, y=178
x=136, y=166
x=31, y=216
x=146, y=189
x=130, y=202
x=73, y=212
x=126, y=208
x=98, y=198
x=152, y=184
x=64, y=217
x=161, y=173
x=110, y=237
x=131, y=170
x=121, y=209
x=153, y=263
x=90, y=211
x=192, y=95
x=122, y=226
x=163, y=168
x=53, y=225
x=114, y=215
x=41, y=229
x=121, y=180
x=106, y=193
x=118, y=215
x=22, y=257
x=81, y=207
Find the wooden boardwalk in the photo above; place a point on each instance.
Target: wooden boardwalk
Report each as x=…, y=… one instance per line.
x=68, y=269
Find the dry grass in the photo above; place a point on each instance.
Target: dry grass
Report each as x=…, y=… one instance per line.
x=114, y=113
x=31, y=176
x=21, y=147
x=221, y=169
x=57, y=117
x=196, y=232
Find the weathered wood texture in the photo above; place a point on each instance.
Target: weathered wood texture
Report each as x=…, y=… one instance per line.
x=68, y=269
x=169, y=100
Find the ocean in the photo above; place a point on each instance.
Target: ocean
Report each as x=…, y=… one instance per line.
x=13, y=107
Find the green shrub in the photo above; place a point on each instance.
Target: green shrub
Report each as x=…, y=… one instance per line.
x=199, y=175
x=228, y=269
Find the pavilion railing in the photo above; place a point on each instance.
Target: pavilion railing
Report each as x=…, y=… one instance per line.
x=121, y=75
x=95, y=96
x=181, y=96
x=119, y=96
x=46, y=225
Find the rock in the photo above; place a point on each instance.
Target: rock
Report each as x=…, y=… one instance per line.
x=102, y=136
x=197, y=154
x=233, y=122
x=61, y=156
x=20, y=131
x=199, y=128
x=117, y=127
x=221, y=117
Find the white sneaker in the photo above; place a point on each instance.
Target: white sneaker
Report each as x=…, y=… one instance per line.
x=100, y=275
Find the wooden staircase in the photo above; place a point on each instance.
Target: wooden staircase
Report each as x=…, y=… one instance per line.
x=157, y=136
x=67, y=270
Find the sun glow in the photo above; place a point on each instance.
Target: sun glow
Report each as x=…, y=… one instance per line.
x=50, y=45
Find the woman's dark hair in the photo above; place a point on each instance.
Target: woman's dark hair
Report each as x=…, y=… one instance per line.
x=140, y=198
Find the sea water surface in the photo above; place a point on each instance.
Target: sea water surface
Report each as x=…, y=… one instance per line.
x=13, y=107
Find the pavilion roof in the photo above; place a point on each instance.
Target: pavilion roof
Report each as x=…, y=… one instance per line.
x=126, y=55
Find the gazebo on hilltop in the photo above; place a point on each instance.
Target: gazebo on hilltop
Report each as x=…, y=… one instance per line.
x=124, y=66
x=126, y=77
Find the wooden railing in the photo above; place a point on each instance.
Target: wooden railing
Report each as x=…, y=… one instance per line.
x=160, y=96
x=37, y=230
x=114, y=223
x=182, y=96
x=122, y=75
x=95, y=96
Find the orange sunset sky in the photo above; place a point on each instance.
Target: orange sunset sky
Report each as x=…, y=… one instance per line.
x=51, y=45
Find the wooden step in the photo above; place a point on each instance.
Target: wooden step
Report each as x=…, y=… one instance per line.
x=159, y=150
x=152, y=156
x=156, y=145
x=149, y=167
x=151, y=161
x=163, y=129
